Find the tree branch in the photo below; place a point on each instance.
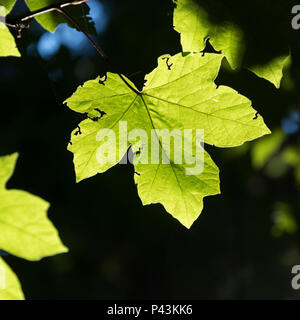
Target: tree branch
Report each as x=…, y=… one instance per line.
x=19, y=23
x=94, y=44
x=36, y=13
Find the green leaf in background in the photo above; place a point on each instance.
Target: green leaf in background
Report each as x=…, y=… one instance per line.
x=51, y=20
x=291, y=156
x=195, y=26
x=7, y=42
x=10, y=288
x=25, y=230
x=266, y=147
x=284, y=221
x=272, y=71
x=179, y=94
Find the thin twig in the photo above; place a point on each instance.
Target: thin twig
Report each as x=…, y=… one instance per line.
x=44, y=10
x=17, y=23
x=95, y=45
x=99, y=50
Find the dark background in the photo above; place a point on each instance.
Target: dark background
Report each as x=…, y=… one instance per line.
x=118, y=248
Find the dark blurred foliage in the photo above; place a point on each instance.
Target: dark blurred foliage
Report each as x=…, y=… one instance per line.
x=118, y=248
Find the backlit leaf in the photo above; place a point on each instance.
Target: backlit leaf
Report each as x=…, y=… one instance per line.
x=25, y=230
x=179, y=94
x=195, y=26
x=7, y=42
x=10, y=288
x=272, y=71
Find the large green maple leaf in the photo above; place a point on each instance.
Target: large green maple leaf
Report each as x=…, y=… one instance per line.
x=179, y=94
x=195, y=26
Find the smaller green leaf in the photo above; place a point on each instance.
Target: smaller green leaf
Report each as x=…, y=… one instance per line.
x=195, y=26
x=291, y=156
x=284, y=220
x=25, y=230
x=10, y=288
x=51, y=20
x=265, y=147
x=7, y=42
x=273, y=70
